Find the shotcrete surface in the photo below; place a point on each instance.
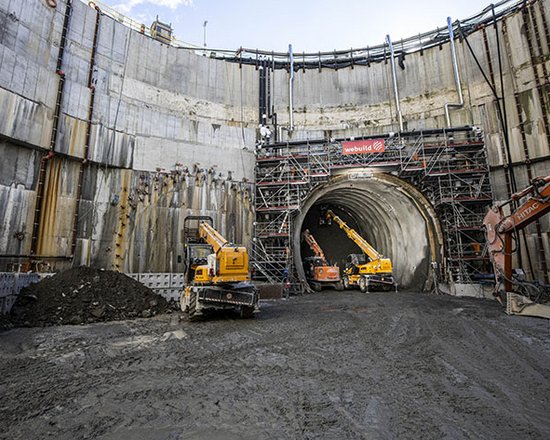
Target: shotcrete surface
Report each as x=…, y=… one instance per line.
x=325, y=366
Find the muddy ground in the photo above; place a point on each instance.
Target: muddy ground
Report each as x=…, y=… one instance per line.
x=325, y=366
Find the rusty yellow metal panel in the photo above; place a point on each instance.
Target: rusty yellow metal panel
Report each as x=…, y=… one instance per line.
x=49, y=209
x=74, y=138
x=56, y=217
x=123, y=219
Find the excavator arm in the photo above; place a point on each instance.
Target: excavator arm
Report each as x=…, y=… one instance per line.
x=363, y=244
x=314, y=246
x=499, y=230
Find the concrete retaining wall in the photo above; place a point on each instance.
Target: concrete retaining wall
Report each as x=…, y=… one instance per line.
x=172, y=133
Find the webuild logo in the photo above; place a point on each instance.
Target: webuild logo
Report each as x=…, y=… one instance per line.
x=367, y=146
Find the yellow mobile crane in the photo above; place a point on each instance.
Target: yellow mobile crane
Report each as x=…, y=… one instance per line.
x=216, y=272
x=370, y=269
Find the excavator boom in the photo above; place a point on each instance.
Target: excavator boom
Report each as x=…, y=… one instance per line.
x=319, y=272
x=314, y=246
x=533, y=208
x=499, y=230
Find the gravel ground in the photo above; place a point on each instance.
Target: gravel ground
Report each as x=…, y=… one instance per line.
x=334, y=365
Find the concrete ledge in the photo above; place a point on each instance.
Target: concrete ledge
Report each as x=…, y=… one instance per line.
x=471, y=290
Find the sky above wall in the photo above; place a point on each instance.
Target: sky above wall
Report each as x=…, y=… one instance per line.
x=309, y=25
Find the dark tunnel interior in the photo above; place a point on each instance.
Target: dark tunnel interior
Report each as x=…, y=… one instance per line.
x=384, y=211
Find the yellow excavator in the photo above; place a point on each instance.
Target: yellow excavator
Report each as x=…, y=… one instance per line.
x=216, y=272
x=369, y=270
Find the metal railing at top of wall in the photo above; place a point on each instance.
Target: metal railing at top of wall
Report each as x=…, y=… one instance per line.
x=336, y=58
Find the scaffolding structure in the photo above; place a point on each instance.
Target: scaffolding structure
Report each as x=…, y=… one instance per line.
x=449, y=166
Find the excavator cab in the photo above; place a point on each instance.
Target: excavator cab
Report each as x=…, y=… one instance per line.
x=354, y=260
x=310, y=263
x=196, y=260
x=196, y=251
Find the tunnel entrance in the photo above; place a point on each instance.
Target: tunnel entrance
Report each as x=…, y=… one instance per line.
x=425, y=184
x=388, y=212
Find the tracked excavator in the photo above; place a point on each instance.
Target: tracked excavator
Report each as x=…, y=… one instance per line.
x=520, y=296
x=216, y=272
x=369, y=270
x=319, y=272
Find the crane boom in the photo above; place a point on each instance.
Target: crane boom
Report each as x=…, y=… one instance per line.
x=363, y=244
x=212, y=237
x=314, y=246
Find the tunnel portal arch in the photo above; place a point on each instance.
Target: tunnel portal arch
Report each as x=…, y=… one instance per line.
x=389, y=212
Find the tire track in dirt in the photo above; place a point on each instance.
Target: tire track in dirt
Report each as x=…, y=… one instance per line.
x=331, y=365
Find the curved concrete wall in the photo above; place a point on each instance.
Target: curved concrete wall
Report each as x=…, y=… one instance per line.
x=166, y=140
x=172, y=132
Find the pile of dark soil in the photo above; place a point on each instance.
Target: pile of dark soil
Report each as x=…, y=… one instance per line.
x=84, y=295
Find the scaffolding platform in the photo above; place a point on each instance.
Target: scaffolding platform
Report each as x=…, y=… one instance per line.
x=448, y=166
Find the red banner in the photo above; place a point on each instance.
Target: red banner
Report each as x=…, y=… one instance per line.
x=366, y=146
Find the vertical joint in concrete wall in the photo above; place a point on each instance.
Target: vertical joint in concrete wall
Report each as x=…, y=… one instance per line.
x=456, y=74
x=63, y=42
x=544, y=25
x=537, y=61
x=40, y=190
x=85, y=159
x=262, y=104
x=500, y=103
x=532, y=33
